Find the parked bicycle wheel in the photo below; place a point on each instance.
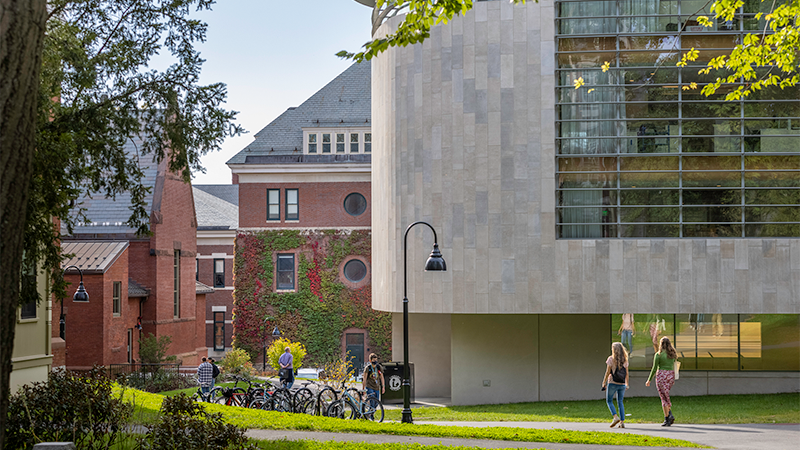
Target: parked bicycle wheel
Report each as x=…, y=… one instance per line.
x=232, y=397
x=262, y=402
x=301, y=399
x=282, y=400
x=325, y=397
x=342, y=409
x=372, y=409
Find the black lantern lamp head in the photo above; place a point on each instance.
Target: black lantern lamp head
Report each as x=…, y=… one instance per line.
x=435, y=262
x=276, y=333
x=81, y=295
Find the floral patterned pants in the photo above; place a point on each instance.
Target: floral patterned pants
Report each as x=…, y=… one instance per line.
x=664, y=381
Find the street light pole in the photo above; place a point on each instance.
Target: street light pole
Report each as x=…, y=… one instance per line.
x=435, y=263
x=80, y=296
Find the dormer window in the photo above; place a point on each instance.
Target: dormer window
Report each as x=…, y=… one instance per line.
x=326, y=142
x=312, y=143
x=339, y=142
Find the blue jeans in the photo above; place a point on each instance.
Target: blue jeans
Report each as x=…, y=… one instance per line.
x=205, y=389
x=619, y=390
x=373, y=393
x=627, y=339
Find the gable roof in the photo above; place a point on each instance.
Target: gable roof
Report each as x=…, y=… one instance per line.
x=136, y=290
x=200, y=288
x=92, y=256
x=344, y=102
x=109, y=215
x=214, y=208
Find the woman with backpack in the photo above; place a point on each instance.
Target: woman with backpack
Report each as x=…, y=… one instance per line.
x=664, y=365
x=615, y=382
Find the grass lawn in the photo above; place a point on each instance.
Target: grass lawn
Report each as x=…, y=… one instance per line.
x=147, y=411
x=768, y=408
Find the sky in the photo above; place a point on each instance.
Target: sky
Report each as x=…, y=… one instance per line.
x=273, y=55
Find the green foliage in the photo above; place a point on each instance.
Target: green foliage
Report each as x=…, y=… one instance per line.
x=322, y=306
x=277, y=349
x=98, y=90
x=156, y=381
x=185, y=424
x=259, y=419
x=153, y=350
x=237, y=362
x=68, y=407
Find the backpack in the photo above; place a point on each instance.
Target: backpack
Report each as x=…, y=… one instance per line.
x=215, y=372
x=619, y=375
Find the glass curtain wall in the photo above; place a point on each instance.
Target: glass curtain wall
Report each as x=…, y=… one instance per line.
x=642, y=154
x=714, y=341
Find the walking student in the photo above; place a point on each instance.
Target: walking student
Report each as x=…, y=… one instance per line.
x=286, y=373
x=372, y=379
x=205, y=372
x=664, y=371
x=615, y=382
x=627, y=330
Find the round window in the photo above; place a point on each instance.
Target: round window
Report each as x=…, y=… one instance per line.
x=355, y=270
x=355, y=204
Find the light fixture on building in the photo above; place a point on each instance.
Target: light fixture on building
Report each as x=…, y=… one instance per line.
x=80, y=296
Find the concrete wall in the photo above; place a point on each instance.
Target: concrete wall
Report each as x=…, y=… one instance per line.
x=502, y=350
x=464, y=136
x=428, y=349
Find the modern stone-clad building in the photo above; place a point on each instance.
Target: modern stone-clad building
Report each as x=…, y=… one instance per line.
x=560, y=209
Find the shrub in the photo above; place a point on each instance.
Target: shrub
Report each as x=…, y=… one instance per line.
x=158, y=381
x=185, y=424
x=278, y=347
x=337, y=371
x=67, y=407
x=237, y=362
x=153, y=350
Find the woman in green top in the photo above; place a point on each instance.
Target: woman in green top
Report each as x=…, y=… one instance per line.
x=664, y=363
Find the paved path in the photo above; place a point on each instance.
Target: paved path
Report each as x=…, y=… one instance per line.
x=726, y=437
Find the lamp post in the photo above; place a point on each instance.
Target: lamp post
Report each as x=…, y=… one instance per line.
x=435, y=263
x=80, y=296
x=276, y=333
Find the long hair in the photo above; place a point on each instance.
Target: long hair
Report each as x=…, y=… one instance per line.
x=666, y=346
x=619, y=356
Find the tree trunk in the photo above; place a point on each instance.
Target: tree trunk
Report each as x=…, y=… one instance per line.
x=22, y=25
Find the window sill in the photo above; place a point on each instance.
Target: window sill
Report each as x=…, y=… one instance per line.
x=31, y=320
x=279, y=291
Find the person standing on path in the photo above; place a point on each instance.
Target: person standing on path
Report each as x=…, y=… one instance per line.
x=286, y=374
x=372, y=379
x=627, y=330
x=215, y=373
x=615, y=382
x=664, y=366
x=205, y=372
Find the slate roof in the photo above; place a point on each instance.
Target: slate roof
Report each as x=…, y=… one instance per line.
x=214, y=208
x=344, y=102
x=136, y=290
x=201, y=288
x=92, y=256
x=107, y=215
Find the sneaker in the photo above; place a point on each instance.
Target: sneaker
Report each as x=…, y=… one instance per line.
x=666, y=422
x=615, y=421
x=671, y=418
x=622, y=424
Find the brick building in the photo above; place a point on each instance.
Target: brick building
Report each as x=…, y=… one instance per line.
x=308, y=170
x=132, y=279
x=217, y=208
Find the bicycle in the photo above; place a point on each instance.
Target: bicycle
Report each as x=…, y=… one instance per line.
x=208, y=397
x=350, y=407
x=308, y=402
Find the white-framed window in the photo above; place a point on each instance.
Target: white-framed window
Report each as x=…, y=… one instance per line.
x=285, y=272
x=326, y=142
x=117, y=299
x=354, y=141
x=273, y=204
x=219, y=273
x=339, y=142
x=312, y=142
x=292, y=204
x=333, y=140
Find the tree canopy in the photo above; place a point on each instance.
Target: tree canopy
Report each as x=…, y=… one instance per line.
x=98, y=90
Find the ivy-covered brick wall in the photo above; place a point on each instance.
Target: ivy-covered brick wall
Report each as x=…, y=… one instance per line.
x=320, y=308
